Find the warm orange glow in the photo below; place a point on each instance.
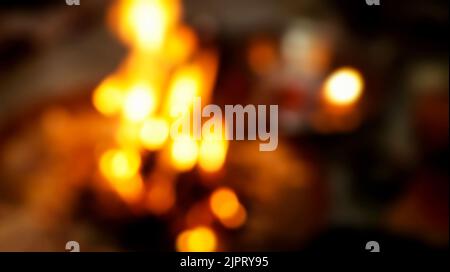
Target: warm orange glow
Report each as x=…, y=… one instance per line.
x=189, y=81
x=181, y=44
x=225, y=206
x=162, y=58
x=235, y=221
x=262, y=56
x=144, y=24
x=154, y=133
x=107, y=98
x=208, y=63
x=199, y=213
x=213, y=151
x=128, y=189
x=56, y=126
x=343, y=87
x=224, y=203
x=184, y=153
x=127, y=134
x=199, y=239
x=160, y=197
x=120, y=164
x=146, y=68
x=139, y=102
x=185, y=86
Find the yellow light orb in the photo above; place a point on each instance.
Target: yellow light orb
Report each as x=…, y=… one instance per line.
x=144, y=24
x=184, y=153
x=108, y=96
x=237, y=220
x=224, y=203
x=199, y=239
x=129, y=190
x=154, y=133
x=139, y=103
x=343, y=87
x=212, y=154
x=147, y=20
x=185, y=86
x=120, y=164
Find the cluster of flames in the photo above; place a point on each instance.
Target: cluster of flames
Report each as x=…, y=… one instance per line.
x=164, y=70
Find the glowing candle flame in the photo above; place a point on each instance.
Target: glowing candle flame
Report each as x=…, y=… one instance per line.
x=184, y=153
x=213, y=151
x=107, y=98
x=199, y=239
x=154, y=133
x=119, y=164
x=343, y=87
x=181, y=44
x=225, y=206
x=185, y=86
x=139, y=102
x=224, y=203
x=236, y=220
x=158, y=45
x=144, y=24
x=128, y=189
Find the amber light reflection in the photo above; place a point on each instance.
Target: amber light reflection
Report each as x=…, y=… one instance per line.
x=164, y=72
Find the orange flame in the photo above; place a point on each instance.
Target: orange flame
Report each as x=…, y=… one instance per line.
x=199, y=239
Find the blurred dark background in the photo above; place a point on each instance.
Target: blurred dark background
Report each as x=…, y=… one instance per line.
x=376, y=170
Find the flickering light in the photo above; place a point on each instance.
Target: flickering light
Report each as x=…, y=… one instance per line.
x=127, y=134
x=139, y=102
x=343, y=87
x=184, y=153
x=199, y=239
x=154, y=133
x=144, y=23
x=181, y=43
x=236, y=220
x=185, y=86
x=120, y=164
x=128, y=189
x=107, y=98
x=224, y=203
x=212, y=154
